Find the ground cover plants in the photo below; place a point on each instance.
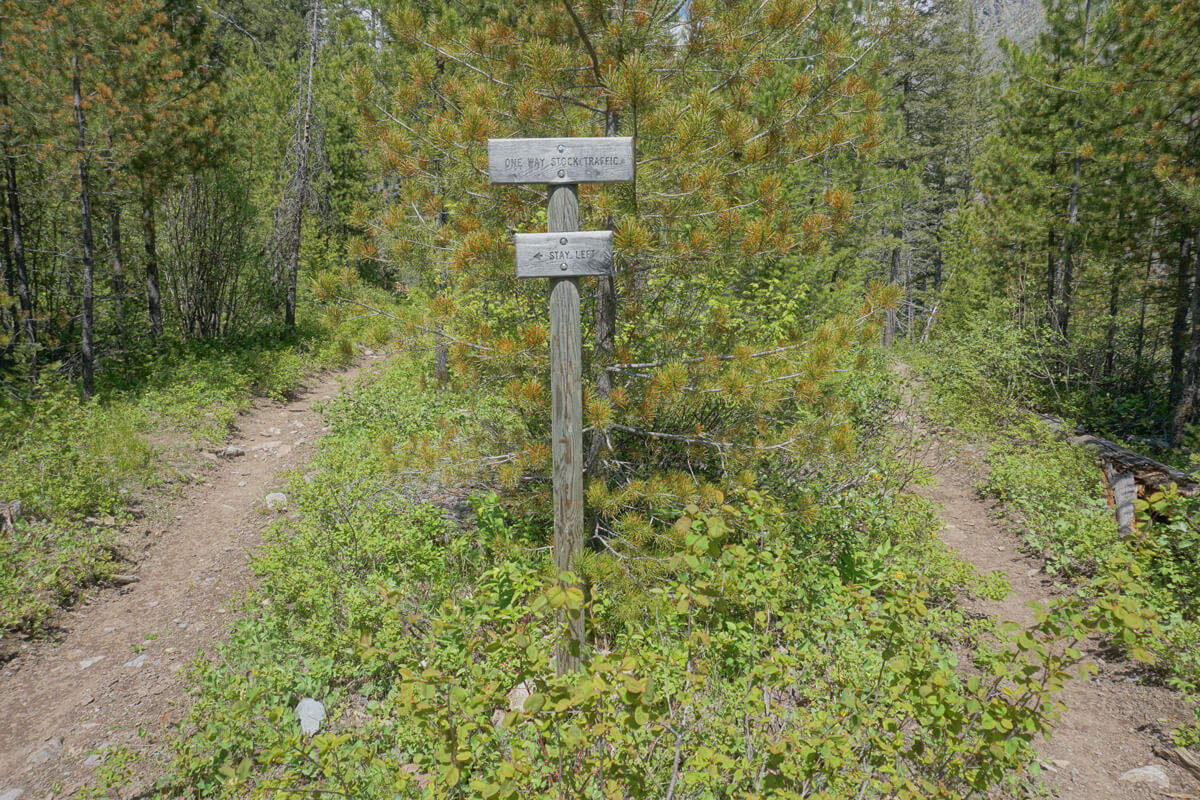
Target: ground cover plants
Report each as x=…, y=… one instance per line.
x=778, y=648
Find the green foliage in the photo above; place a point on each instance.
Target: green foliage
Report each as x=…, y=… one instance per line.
x=777, y=651
x=44, y=566
x=1056, y=489
x=980, y=376
x=65, y=458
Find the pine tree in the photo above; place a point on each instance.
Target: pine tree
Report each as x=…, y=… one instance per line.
x=689, y=379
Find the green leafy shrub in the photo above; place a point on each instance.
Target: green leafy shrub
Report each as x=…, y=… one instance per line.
x=1056, y=488
x=979, y=376
x=777, y=650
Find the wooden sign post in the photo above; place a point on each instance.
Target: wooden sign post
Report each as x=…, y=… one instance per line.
x=563, y=254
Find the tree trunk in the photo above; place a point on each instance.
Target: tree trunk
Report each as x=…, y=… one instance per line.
x=1141, y=330
x=1071, y=237
x=149, y=240
x=1188, y=398
x=85, y=212
x=441, y=346
x=889, y=325
x=11, y=315
x=117, y=266
x=1179, y=337
x=301, y=177
x=1052, y=279
x=28, y=324
x=605, y=342
x=1110, y=334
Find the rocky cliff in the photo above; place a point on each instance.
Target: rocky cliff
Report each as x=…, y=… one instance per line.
x=1016, y=20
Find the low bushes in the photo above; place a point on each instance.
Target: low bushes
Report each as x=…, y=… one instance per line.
x=777, y=649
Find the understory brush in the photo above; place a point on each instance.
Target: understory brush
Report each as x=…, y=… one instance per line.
x=1063, y=511
x=77, y=468
x=788, y=643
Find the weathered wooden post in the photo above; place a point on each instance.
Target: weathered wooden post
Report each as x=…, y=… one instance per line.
x=563, y=254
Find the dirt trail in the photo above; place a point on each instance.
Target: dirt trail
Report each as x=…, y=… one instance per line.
x=1113, y=719
x=117, y=666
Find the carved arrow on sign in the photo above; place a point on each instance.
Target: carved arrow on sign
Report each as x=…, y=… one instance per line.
x=564, y=255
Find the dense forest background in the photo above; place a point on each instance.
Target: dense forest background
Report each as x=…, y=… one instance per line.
x=176, y=174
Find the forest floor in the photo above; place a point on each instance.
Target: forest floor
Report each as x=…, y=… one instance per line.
x=1114, y=718
x=115, y=667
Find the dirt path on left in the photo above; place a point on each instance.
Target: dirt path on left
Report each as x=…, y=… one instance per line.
x=116, y=667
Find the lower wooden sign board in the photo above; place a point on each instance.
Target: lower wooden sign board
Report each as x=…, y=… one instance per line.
x=564, y=255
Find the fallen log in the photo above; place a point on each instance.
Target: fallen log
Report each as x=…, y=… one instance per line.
x=1127, y=475
x=1147, y=472
x=1185, y=759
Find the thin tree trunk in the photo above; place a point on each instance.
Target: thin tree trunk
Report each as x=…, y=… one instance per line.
x=301, y=178
x=910, y=298
x=85, y=212
x=1070, y=239
x=605, y=342
x=117, y=267
x=1052, y=279
x=11, y=315
x=1187, y=399
x=889, y=325
x=1179, y=337
x=24, y=298
x=1110, y=334
x=150, y=243
x=441, y=345
x=1141, y=330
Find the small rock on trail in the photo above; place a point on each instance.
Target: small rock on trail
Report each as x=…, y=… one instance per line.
x=277, y=501
x=1149, y=774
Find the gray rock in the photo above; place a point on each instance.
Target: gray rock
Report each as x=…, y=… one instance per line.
x=94, y=760
x=136, y=662
x=277, y=501
x=12, y=794
x=47, y=753
x=1148, y=774
x=283, y=450
x=87, y=662
x=311, y=713
x=232, y=451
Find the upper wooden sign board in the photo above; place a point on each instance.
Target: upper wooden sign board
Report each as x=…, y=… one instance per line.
x=564, y=255
x=585, y=159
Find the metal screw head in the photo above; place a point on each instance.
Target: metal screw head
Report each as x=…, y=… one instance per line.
x=562, y=266
x=561, y=148
x=563, y=240
x=562, y=173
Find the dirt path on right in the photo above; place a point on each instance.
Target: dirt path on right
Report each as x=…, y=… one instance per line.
x=1114, y=719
